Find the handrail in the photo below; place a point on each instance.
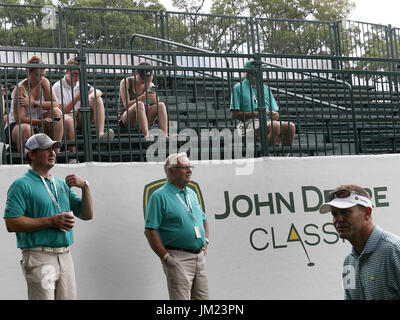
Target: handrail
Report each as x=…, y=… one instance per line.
x=139, y=35
x=350, y=87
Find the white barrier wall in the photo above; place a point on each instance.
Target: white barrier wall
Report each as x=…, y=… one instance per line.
x=268, y=240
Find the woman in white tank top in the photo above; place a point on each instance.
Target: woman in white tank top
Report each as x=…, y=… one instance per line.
x=34, y=108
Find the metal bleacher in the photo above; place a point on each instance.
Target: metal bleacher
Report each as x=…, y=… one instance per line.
x=339, y=107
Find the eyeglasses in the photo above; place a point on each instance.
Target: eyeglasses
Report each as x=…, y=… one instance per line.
x=342, y=193
x=185, y=168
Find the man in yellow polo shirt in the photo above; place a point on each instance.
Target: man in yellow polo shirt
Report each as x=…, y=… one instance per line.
x=177, y=231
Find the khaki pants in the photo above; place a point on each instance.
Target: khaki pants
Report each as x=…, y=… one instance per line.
x=49, y=276
x=187, y=278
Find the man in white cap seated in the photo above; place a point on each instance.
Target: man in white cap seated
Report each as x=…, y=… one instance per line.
x=40, y=209
x=372, y=269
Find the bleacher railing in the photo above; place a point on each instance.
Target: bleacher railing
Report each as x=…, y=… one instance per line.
x=105, y=28
x=331, y=118
x=338, y=82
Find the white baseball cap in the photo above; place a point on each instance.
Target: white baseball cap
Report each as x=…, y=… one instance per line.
x=40, y=141
x=344, y=202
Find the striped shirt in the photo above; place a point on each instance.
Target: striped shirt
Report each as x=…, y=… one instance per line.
x=375, y=273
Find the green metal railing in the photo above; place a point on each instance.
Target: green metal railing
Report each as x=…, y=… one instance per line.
x=333, y=116
x=337, y=81
x=104, y=28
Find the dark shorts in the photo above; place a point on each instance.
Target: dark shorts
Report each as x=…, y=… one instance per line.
x=8, y=132
x=121, y=122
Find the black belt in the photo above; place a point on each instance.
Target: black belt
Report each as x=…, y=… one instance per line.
x=182, y=249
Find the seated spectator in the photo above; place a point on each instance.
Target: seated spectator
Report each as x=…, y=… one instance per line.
x=34, y=107
x=3, y=93
x=69, y=100
x=138, y=100
x=244, y=105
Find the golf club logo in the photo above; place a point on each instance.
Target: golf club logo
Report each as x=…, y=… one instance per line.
x=153, y=186
x=294, y=237
x=259, y=240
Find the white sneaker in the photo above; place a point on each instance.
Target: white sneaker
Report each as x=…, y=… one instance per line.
x=108, y=135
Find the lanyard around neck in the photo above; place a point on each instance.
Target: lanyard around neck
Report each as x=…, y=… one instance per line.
x=54, y=199
x=188, y=209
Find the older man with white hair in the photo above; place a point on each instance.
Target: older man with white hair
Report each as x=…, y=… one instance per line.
x=177, y=230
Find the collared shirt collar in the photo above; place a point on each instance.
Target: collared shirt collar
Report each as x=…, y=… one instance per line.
x=34, y=174
x=174, y=188
x=65, y=83
x=371, y=243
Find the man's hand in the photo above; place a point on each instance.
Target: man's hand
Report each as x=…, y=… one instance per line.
x=275, y=115
x=63, y=221
x=73, y=180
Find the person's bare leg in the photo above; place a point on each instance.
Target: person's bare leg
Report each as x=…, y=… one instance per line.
x=70, y=131
x=55, y=129
x=289, y=130
x=274, y=136
x=20, y=134
x=97, y=108
x=161, y=111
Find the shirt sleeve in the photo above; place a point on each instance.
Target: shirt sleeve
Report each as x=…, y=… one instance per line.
x=57, y=91
x=16, y=205
x=235, y=98
x=270, y=101
x=154, y=211
x=394, y=276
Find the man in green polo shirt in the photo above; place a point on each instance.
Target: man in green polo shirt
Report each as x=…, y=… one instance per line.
x=244, y=107
x=40, y=209
x=177, y=231
x=372, y=270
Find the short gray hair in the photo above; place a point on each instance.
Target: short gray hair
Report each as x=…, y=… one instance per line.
x=172, y=160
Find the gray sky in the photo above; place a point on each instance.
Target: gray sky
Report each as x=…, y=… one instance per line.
x=377, y=11
x=373, y=11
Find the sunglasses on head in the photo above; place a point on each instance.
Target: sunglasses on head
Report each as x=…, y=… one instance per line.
x=342, y=193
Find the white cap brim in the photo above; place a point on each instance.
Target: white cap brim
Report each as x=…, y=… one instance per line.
x=344, y=203
x=327, y=207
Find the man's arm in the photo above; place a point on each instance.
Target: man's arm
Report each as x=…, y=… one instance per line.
x=86, y=208
x=27, y=224
x=238, y=115
x=206, y=232
x=155, y=242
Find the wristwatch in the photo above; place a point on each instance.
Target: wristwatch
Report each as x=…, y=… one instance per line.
x=85, y=185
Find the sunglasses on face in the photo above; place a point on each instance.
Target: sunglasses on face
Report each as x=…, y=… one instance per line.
x=342, y=193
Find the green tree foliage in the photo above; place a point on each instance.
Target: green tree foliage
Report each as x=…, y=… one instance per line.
x=83, y=23
x=279, y=25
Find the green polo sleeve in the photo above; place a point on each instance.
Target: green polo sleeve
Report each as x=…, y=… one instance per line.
x=154, y=211
x=270, y=101
x=236, y=98
x=16, y=205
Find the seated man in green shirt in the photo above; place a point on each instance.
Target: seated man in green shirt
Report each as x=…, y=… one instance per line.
x=177, y=230
x=40, y=209
x=244, y=106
